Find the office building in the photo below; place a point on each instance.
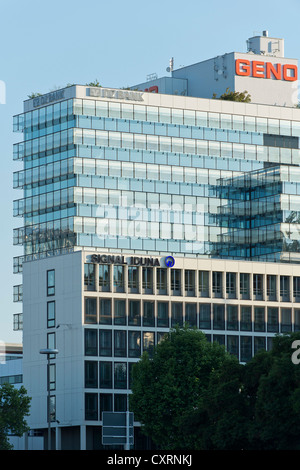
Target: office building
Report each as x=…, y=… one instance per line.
x=151, y=207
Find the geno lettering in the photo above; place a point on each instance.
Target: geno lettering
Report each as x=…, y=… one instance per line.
x=259, y=69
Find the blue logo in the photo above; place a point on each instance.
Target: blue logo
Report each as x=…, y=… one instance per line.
x=169, y=261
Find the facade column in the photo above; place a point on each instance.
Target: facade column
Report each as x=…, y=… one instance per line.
x=58, y=438
x=82, y=437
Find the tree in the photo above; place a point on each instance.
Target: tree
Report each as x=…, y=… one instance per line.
x=168, y=388
x=234, y=96
x=272, y=382
x=14, y=406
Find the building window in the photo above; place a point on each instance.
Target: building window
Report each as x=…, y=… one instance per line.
x=246, y=348
x=297, y=319
x=104, y=277
x=134, y=318
x=134, y=344
x=51, y=343
x=120, y=402
x=191, y=314
x=91, y=406
x=258, y=286
x=52, y=406
x=51, y=282
x=105, y=312
x=285, y=288
x=176, y=314
x=52, y=374
x=163, y=314
x=204, y=316
x=232, y=317
x=246, y=322
x=204, y=283
x=120, y=375
x=90, y=342
x=119, y=278
x=148, y=314
x=89, y=277
x=133, y=279
x=271, y=287
x=161, y=281
x=119, y=312
x=231, y=285
x=217, y=284
x=105, y=343
x=148, y=342
x=106, y=403
x=273, y=320
x=90, y=310
x=176, y=281
x=245, y=285
x=120, y=343
x=233, y=345
x=259, y=319
x=147, y=280
x=189, y=283
x=218, y=317
x=91, y=374
x=51, y=314
x=259, y=344
x=286, y=320
x=296, y=288
x=105, y=374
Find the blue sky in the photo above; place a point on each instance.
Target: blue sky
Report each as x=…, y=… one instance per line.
x=45, y=45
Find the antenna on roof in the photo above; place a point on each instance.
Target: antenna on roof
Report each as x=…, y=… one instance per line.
x=171, y=66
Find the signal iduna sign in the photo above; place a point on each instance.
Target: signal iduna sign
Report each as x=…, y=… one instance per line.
x=267, y=70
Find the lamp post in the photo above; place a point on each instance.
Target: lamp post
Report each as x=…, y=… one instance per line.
x=48, y=352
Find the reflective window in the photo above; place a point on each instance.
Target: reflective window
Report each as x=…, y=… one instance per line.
x=105, y=374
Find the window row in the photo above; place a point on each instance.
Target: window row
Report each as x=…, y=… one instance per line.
x=244, y=347
x=191, y=283
x=180, y=145
x=173, y=130
x=185, y=117
x=119, y=343
x=111, y=375
x=96, y=403
x=118, y=375
x=204, y=316
x=44, y=145
x=168, y=158
x=43, y=116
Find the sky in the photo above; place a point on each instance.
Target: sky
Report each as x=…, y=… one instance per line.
x=46, y=45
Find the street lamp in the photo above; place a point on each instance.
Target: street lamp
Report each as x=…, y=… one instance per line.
x=48, y=352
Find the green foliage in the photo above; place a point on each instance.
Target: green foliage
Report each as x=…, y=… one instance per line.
x=243, y=97
x=34, y=95
x=95, y=83
x=170, y=386
x=193, y=395
x=14, y=406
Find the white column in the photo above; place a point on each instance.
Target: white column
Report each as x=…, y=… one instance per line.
x=82, y=437
x=58, y=438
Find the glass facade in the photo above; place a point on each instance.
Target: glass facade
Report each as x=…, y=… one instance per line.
x=120, y=176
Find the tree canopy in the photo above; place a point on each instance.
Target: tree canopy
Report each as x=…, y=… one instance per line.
x=193, y=395
x=243, y=97
x=14, y=406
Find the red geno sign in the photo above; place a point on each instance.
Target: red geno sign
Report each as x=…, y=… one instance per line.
x=258, y=69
